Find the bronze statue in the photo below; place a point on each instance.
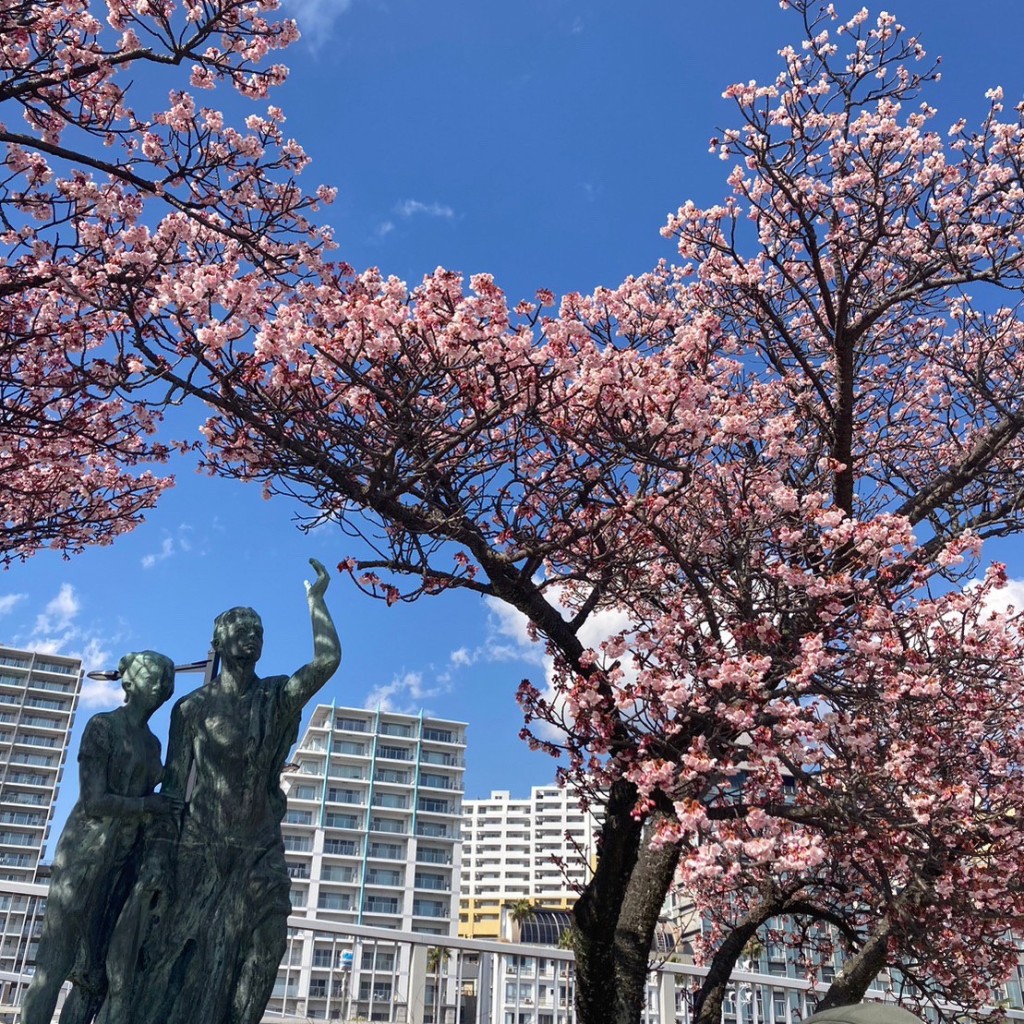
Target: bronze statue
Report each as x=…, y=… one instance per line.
x=98, y=855
x=203, y=933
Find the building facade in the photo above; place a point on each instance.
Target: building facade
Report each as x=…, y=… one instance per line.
x=373, y=836
x=540, y=848
x=39, y=696
x=38, y=699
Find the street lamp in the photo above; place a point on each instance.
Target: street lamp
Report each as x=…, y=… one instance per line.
x=208, y=667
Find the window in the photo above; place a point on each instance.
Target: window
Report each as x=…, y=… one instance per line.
x=346, y=847
x=344, y=796
x=349, y=747
x=52, y=666
x=394, y=753
x=437, y=735
x=334, y=901
x=425, y=828
x=378, y=959
x=429, y=908
x=434, y=805
x=381, y=991
x=434, y=781
x=351, y=724
x=425, y=880
x=391, y=775
x=383, y=876
x=299, y=817
x=387, y=825
x=297, y=843
x=394, y=729
x=333, y=820
x=337, y=872
x=390, y=800
x=387, y=851
x=431, y=855
x=381, y=904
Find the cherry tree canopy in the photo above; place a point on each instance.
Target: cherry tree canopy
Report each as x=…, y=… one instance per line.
x=117, y=223
x=779, y=459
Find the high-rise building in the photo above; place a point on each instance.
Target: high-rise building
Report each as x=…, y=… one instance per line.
x=540, y=848
x=38, y=699
x=372, y=836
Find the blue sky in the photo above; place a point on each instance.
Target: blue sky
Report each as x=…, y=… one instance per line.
x=543, y=141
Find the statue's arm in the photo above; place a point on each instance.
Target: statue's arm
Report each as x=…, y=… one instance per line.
x=326, y=646
x=93, y=758
x=179, y=754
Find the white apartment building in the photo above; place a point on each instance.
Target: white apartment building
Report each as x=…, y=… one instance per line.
x=372, y=837
x=539, y=848
x=38, y=699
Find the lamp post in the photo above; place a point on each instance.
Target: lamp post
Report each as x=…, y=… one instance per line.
x=208, y=667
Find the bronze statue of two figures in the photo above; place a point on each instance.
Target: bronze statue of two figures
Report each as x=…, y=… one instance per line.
x=171, y=908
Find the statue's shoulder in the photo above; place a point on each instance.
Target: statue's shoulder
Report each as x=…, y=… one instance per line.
x=99, y=733
x=192, y=703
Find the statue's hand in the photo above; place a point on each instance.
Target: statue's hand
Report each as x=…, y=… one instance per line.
x=162, y=806
x=317, y=588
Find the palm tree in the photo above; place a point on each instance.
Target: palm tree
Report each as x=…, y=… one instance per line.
x=520, y=912
x=437, y=957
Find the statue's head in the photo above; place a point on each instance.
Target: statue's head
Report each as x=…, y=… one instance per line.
x=146, y=676
x=238, y=634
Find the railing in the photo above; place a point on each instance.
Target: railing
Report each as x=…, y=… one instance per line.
x=350, y=972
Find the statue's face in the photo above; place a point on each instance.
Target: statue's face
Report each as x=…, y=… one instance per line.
x=150, y=681
x=239, y=636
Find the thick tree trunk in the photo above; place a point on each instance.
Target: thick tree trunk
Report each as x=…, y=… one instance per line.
x=617, y=914
x=596, y=913
x=645, y=894
x=851, y=983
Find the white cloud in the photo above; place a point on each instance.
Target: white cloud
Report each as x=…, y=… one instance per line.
x=315, y=18
x=385, y=228
x=512, y=624
x=165, y=552
x=57, y=631
x=462, y=658
x=412, y=207
x=405, y=693
x=97, y=657
x=180, y=543
x=8, y=601
x=1012, y=595
x=59, y=613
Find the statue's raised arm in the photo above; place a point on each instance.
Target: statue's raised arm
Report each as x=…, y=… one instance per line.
x=326, y=646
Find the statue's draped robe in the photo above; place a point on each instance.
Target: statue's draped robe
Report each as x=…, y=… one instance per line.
x=97, y=857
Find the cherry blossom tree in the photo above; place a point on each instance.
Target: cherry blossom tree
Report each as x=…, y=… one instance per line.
x=779, y=458
x=118, y=223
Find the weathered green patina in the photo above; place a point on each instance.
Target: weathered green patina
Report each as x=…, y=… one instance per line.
x=100, y=850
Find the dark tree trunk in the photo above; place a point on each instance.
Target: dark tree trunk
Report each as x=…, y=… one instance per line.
x=852, y=982
x=596, y=913
x=645, y=895
x=617, y=914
